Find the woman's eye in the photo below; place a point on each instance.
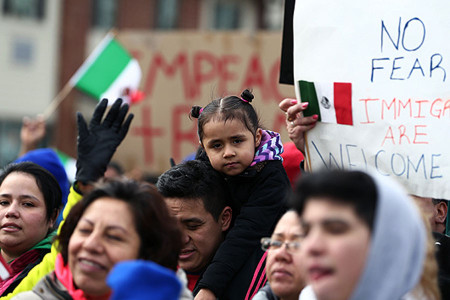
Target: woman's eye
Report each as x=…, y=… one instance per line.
x=237, y=141
x=28, y=204
x=114, y=237
x=84, y=230
x=216, y=146
x=4, y=202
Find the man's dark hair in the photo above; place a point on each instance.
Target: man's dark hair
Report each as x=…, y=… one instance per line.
x=196, y=179
x=437, y=201
x=354, y=188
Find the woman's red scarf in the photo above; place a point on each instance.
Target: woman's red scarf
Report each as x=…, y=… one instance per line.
x=64, y=275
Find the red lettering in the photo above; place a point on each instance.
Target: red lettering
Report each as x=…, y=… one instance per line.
x=401, y=105
x=432, y=111
x=205, y=69
x=420, y=108
x=148, y=133
x=367, y=110
x=402, y=131
x=179, y=135
x=158, y=62
x=416, y=134
x=389, y=136
x=446, y=107
x=384, y=103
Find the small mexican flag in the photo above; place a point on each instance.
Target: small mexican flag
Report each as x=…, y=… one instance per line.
x=331, y=101
x=109, y=72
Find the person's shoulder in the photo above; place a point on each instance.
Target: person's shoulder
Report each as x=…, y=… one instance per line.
x=265, y=293
x=273, y=170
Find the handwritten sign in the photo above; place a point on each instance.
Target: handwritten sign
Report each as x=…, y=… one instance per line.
x=182, y=69
x=396, y=56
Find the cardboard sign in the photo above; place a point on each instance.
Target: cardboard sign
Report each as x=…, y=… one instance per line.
x=182, y=69
x=397, y=59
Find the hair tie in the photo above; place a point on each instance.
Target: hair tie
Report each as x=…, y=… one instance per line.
x=244, y=100
x=200, y=111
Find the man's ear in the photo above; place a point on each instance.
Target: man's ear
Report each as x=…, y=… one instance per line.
x=441, y=212
x=225, y=218
x=258, y=137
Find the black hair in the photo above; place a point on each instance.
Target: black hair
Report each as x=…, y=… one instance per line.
x=228, y=108
x=437, y=201
x=354, y=188
x=159, y=234
x=193, y=180
x=46, y=182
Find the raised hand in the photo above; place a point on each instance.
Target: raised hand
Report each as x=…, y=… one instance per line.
x=31, y=133
x=98, y=141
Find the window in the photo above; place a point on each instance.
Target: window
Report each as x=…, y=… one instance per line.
x=33, y=9
x=167, y=15
x=104, y=13
x=227, y=15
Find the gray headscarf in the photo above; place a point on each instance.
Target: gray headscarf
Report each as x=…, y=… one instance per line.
x=398, y=245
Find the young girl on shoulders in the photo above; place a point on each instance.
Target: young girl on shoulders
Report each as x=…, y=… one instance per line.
x=249, y=158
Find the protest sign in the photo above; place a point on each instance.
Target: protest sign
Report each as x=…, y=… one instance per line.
x=182, y=69
x=396, y=57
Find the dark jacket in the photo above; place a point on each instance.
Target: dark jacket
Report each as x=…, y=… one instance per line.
x=443, y=259
x=260, y=198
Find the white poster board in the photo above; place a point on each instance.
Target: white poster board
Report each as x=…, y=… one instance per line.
x=396, y=55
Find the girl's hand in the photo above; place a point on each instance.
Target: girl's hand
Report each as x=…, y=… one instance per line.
x=296, y=123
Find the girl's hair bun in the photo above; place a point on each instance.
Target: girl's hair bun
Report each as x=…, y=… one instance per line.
x=195, y=111
x=247, y=95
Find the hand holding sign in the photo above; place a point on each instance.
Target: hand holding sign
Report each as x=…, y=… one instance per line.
x=296, y=124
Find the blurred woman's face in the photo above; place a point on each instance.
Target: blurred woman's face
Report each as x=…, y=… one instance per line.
x=283, y=266
x=334, y=248
x=23, y=215
x=104, y=236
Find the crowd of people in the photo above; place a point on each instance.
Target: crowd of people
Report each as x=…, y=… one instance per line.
x=227, y=224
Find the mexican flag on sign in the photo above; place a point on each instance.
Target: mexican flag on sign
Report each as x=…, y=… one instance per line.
x=109, y=72
x=332, y=102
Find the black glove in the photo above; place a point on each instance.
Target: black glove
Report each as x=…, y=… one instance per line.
x=97, y=144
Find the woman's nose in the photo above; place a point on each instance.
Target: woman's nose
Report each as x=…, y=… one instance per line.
x=93, y=242
x=12, y=211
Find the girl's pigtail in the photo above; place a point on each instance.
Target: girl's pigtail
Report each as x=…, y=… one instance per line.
x=195, y=111
x=247, y=96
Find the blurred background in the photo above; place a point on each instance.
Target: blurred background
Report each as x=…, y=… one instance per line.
x=43, y=43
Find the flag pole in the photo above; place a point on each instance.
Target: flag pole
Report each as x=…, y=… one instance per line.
x=59, y=98
x=307, y=157
x=54, y=104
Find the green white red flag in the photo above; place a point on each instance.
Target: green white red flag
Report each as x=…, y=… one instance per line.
x=332, y=102
x=109, y=72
